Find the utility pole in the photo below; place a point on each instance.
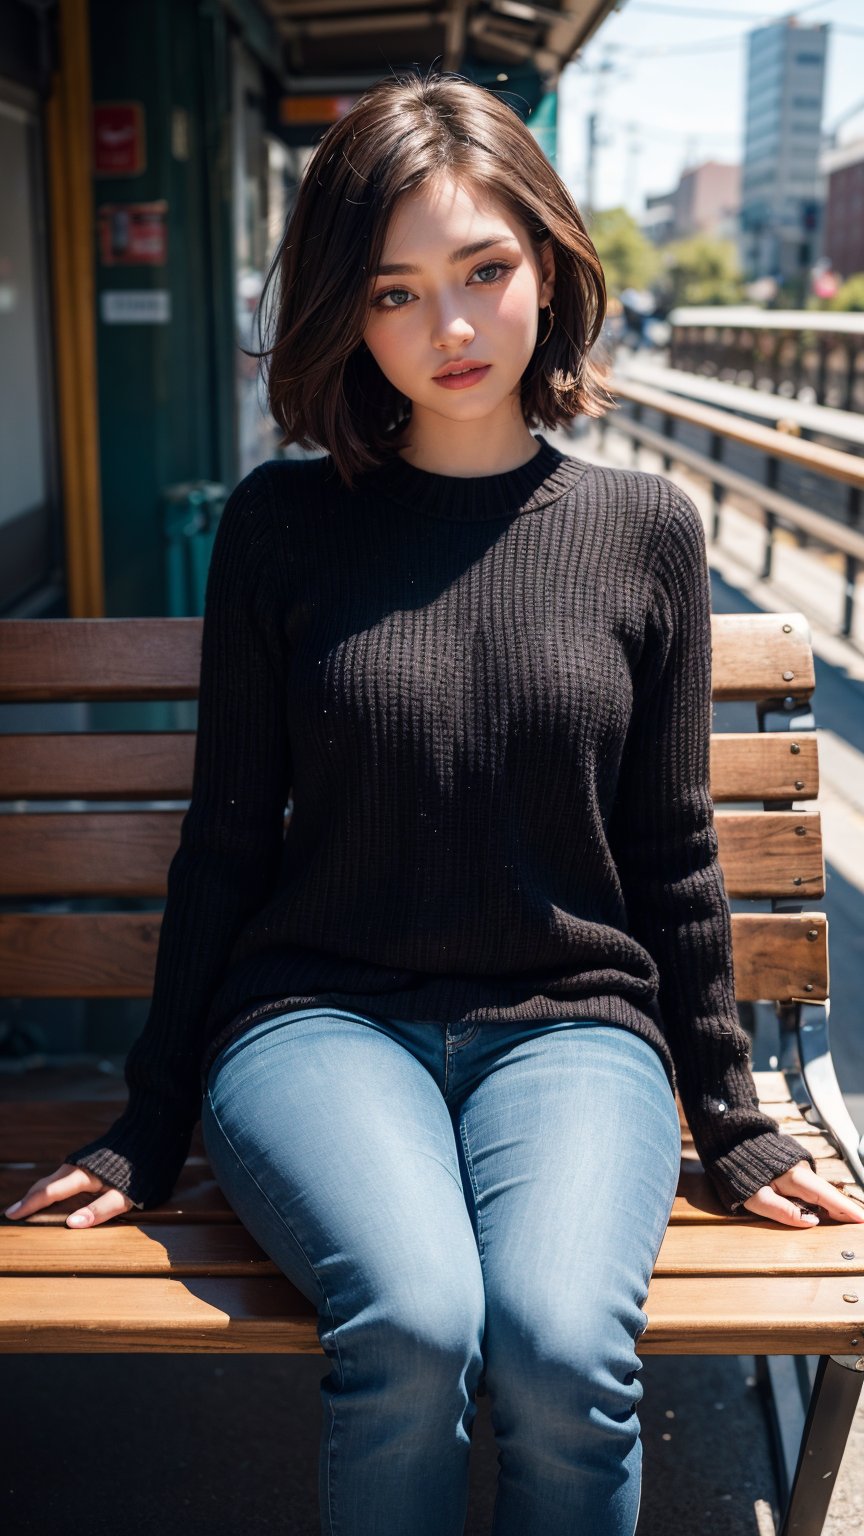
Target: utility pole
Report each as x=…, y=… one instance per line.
x=594, y=140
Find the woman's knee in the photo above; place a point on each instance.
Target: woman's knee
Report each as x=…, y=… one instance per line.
x=578, y=1358
x=418, y=1325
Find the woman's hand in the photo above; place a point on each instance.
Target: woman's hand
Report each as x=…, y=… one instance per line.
x=68, y=1180
x=799, y=1185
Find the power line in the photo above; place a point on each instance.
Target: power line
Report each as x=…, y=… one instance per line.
x=722, y=15
x=727, y=40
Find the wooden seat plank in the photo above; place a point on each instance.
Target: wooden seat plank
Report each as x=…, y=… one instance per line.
x=127, y=1248
x=818, y=1146
x=196, y=1196
x=145, y=1248
x=731, y=1316
x=46, y=1128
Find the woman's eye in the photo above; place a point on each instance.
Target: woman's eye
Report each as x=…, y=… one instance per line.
x=379, y=302
x=493, y=266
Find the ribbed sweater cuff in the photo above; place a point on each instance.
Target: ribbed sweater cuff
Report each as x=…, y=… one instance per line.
x=754, y=1162
x=143, y=1152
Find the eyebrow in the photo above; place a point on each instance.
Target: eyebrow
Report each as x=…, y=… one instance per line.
x=462, y=254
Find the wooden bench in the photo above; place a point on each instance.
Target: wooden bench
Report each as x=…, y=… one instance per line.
x=187, y=1277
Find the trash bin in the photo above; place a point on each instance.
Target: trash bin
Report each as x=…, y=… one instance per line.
x=191, y=513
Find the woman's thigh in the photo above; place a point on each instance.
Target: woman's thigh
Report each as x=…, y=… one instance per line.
x=335, y=1147
x=571, y=1147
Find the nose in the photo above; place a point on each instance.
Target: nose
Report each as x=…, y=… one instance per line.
x=451, y=328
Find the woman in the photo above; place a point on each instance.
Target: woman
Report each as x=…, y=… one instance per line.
x=437, y=1031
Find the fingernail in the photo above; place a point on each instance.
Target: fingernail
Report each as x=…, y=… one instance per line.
x=11, y=1209
x=79, y=1218
x=809, y=1216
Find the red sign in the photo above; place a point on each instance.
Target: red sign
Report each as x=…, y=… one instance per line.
x=133, y=234
x=118, y=139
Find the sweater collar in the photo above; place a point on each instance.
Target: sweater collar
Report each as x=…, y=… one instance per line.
x=543, y=479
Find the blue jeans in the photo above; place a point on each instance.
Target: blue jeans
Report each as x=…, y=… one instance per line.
x=459, y=1201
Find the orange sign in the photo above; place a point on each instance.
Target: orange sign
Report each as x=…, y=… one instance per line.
x=314, y=109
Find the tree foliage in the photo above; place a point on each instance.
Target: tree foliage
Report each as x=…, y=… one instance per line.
x=629, y=259
x=702, y=270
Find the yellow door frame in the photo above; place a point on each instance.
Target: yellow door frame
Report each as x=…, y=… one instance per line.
x=68, y=116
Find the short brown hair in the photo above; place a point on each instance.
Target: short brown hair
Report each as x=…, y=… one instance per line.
x=324, y=387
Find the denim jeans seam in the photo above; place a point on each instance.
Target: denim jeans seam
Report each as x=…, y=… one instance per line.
x=469, y=1163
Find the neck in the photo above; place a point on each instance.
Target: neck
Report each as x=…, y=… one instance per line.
x=467, y=449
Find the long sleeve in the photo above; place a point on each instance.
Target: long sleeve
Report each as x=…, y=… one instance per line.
x=665, y=846
x=228, y=857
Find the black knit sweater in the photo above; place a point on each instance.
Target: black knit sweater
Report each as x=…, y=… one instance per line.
x=489, y=702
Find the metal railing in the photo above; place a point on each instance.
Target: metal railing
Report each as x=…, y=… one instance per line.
x=776, y=509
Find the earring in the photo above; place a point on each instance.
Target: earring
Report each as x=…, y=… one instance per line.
x=551, y=323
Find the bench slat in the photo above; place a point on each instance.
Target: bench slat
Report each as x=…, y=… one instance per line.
x=197, y=1198
x=149, y=658
x=160, y=658
x=127, y=853
x=764, y=765
x=44, y=1128
x=771, y=853
x=816, y=1144
x=113, y=954
x=158, y=765
x=145, y=1248
x=102, y=765
x=739, y=1315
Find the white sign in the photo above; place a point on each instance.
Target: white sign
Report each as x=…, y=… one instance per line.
x=136, y=306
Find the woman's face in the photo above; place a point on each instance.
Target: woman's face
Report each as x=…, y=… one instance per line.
x=481, y=305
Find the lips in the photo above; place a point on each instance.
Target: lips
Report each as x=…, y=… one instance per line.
x=462, y=379
x=462, y=366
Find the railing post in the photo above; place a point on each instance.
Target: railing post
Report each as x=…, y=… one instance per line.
x=849, y=382
x=718, y=490
x=822, y=376
x=770, y=520
x=634, y=441
x=668, y=431
x=849, y=596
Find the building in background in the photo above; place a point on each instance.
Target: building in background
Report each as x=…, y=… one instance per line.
x=657, y=222
x=781, y=181
x=705, y=202
x=843, y=233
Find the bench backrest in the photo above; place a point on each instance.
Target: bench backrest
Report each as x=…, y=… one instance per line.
x=769, y=851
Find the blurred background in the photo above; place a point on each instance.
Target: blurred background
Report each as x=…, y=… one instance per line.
x=150, y=151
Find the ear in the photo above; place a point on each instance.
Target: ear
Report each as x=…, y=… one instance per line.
x=547, y=267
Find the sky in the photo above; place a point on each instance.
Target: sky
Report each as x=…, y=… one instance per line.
x=678, y=79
